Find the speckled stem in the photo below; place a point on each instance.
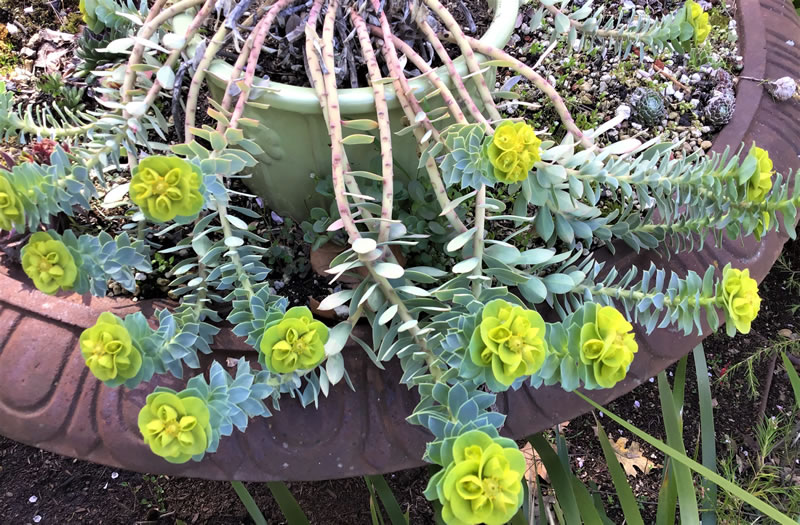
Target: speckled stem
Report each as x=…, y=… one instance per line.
x=430, y=73
x=537, y=80
x=325, y=85
x=238, y=66
x=407, y=102
x=430, y=34
x=469, y=55
x=384, y=127
x=197, y=81
x=260, y=30
x=480, y=199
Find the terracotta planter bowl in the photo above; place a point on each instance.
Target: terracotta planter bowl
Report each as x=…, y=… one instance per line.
x=49, y=400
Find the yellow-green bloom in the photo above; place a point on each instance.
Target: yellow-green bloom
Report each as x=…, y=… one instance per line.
x=483, y=484
x=607, y=345
x=739, y=294
x=176, y=428
x=513, y=151
x=108, y=349
x=48, y=263
x=296, y=342
x=166, y=187
x=760, y=182
x=11, y=210
x=699, y=21
x=762, y=227
x=510, y=340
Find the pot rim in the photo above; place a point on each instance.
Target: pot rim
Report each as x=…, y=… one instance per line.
x=360, y=100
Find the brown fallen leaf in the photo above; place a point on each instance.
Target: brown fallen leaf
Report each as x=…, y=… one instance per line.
x=534, y=466
x=631, y=457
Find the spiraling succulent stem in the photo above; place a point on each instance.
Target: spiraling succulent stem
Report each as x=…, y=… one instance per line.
x=602, y=33
x=469, y=55
x=384, y=128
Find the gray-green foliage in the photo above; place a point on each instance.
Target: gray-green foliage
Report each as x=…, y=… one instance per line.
x=647, y=106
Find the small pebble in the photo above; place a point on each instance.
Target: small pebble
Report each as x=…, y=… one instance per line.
x=33, y=499
x=37, y=519
x=706, y=145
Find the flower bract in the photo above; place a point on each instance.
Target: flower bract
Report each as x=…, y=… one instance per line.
x=513, y=150
x=483, y=483
x=759, y=184
x=509, y=340
x=11, y=210
x=108, y=349
x=296, y=342
x=166, y=187
x=48, y=262
x=699, y=21
x=176, y=428
x=607, y=345
x=739, y=294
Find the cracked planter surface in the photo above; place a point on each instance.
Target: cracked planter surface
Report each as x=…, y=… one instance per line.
x=49, y=400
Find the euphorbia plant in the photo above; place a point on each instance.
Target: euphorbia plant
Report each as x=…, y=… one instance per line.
x=463, y=330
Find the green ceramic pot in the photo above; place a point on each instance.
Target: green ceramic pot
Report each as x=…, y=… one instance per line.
x=296, y=142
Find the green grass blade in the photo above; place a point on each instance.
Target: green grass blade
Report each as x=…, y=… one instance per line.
x=540, y=504
x=627, y=501
x=586, y=506
x=679, y=385
x=388, y=500
x=680, y=457
x=667, y=496
x=291, y=509
x=558, y=478
x=687, y=498
x=707, y=436
x=793, y=377
x=374, y=510
x=249, y=503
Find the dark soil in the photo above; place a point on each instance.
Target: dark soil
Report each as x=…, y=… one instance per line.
x=70, y=491
x=285, y=61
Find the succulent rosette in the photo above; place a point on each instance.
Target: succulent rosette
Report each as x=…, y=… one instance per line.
x=11, y=210
x=760, y=182
x=738, y=294
x=49, y=263
x=108, y=350
x=607, y=345
x=296, y=342
x=507, y=343
x=166, y=188
x=482, y=483
x=698, y=20
x=175, y=427
x=512, y=151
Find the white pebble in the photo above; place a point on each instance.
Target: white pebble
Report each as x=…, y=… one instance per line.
x=33, y=499
x=679, y=95
x=114, y=475
x=637, y=404
x=37, y=519
x=790, y=43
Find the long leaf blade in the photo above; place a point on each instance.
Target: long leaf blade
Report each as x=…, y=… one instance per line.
x=708, y=447
x=249, y=503
x=627, y=501
x=291, y=509
x=388, y=500
x=558, y=478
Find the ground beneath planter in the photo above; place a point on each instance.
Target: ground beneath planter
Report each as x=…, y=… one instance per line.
x=64, y=490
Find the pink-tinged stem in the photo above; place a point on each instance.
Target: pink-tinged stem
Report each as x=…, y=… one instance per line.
x=540, y=82
x=430, y=34
x=261, y=30
x=469, y=55
x=384, y=128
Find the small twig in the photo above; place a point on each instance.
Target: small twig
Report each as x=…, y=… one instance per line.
x=547, y=51
x=762, y=407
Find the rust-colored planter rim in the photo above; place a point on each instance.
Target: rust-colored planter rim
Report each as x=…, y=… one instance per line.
x=50, y=401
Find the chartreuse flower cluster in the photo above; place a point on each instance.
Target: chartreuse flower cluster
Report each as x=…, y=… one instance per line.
x=295, y=342
x=508, y=343
x=607, y=345
x=49, y=263
x=482, y=483
x=175, y=426
x=756, y=173
x=11, y=211
x=698, y=19
x=738, y=294
x=108, y=350
x=512, y=151
x=166, y=188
